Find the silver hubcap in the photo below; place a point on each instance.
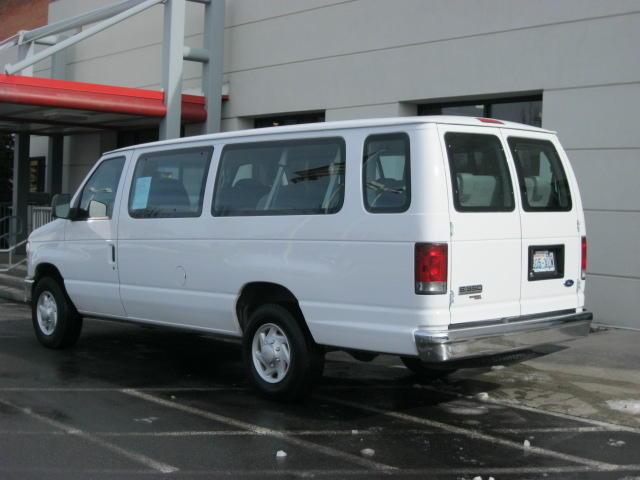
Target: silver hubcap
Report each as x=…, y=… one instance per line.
x=271, y=353
x=47, y=312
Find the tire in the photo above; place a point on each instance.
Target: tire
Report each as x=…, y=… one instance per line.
x=423, y=372
x=56, y=322
x=271, y=332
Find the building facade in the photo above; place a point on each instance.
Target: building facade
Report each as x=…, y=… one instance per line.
x=571, y=66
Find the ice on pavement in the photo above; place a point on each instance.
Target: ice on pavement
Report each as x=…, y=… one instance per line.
x=368, y=452
x=626, y=406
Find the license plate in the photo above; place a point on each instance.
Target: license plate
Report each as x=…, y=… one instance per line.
x=544, y=261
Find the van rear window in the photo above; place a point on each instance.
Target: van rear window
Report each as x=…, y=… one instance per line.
x=293, y=177
x=543, y=182
x=479, y=173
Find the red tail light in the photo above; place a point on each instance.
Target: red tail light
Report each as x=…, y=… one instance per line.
x=431, y=262
x=583, y=259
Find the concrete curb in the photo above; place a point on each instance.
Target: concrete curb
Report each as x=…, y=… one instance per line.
x=13, y=294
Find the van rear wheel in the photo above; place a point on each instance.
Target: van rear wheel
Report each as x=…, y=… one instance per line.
x=281, y=359
x=423, y=372
x=55, y=320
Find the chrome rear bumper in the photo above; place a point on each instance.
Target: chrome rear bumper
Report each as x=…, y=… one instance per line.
x=502, y=336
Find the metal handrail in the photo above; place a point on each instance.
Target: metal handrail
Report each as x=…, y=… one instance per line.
x=10, y=250
x=19, y=227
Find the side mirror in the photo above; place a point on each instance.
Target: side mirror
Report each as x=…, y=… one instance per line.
x=61, y=206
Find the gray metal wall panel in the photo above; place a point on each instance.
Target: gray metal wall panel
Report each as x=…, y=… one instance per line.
x=614, y=171
x=614, y=300
x=614, y=248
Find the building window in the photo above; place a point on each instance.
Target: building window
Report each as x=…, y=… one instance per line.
x=295, y=119
x=37, y=166
x=527, y=110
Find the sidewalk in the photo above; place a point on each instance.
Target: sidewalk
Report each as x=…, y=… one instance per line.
x=597, y=377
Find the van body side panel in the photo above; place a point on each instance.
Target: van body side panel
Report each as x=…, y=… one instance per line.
x=485, y=255
x=541, y=229
x=352, y=271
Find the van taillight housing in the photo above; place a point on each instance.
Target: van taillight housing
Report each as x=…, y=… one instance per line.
x=431, y=262
x=583, y=259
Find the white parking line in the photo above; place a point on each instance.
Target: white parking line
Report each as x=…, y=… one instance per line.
x=119, y=389
x=136, y=457
x=239, y=424
x=474, y=434
x=557, y=430
x=526, y=408
x=331, y=473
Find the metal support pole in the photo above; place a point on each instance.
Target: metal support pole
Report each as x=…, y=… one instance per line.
x=172, y=66
x=25, y=52
x=20, y=192
x=213, y=40
x=53, y=171
x=86, y=33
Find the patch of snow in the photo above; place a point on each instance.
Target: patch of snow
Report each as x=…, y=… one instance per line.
x=464, y=407
x=526, y=444
x=354, y=432
x=281, y=454
x=147, y=420
x=368, y=452
x=616, y=443
x=497, y=367
x=482, y=396
x=625, y=406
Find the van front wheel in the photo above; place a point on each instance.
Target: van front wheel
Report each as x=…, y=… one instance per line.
x=281, y=360
x=56, y=322
x=423, y=372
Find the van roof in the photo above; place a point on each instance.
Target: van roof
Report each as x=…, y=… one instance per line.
x=345, y=124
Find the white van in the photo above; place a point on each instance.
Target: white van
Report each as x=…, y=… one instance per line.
x=438, y=239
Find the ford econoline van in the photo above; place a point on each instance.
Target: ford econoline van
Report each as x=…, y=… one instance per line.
x=438, y=239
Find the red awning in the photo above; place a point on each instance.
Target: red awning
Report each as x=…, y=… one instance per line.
x=44, y=106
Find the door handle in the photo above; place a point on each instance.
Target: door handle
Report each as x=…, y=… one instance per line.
x=113, y=253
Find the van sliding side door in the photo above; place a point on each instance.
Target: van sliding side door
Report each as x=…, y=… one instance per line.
x=485, y=225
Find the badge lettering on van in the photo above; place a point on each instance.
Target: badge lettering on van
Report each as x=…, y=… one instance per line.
x=470, y=289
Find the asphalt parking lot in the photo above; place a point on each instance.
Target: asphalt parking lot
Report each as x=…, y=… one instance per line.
x=131, y=402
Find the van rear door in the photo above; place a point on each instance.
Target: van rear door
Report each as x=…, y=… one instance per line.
x=485, y=225
x=551, y=238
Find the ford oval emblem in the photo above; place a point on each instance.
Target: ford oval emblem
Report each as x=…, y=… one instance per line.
x=568, y=283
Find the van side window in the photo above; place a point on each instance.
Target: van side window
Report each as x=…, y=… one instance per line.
x=479, y=173
x=293, y=177
x=170, y=184
x=386, y=173
x=543, y=182
x=99, y=193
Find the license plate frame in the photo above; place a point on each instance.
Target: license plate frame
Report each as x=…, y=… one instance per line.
x=545, y=252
